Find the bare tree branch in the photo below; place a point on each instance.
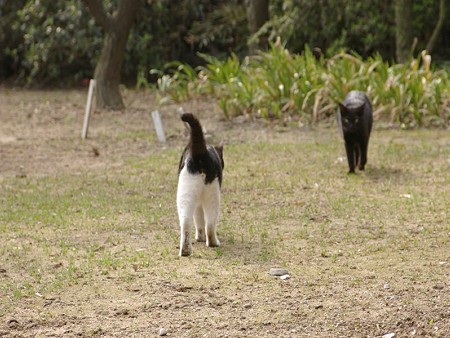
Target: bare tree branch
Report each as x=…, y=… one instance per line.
x=437, y=29
x=116, y=30
x=403, y=30
x=257, y=16
x=98, y=12
x=126, y=12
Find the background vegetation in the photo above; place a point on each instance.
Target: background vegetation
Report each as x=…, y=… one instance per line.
x=58, y=43
x=278, y=84
x=353, y=43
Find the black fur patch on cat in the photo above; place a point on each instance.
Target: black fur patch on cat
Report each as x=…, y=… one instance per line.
x=199, y=157
x=356, y=122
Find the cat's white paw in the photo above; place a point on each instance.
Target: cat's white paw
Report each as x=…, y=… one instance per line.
x=185, y=251
x=212, y=242
x=200, y=236
x=185, y=244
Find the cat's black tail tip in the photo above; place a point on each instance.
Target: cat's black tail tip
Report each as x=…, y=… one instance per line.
x=188, y=117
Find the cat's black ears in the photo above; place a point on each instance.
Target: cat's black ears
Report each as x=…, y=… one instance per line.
x=343, y=109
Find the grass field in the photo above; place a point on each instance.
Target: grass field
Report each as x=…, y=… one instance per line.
x=89, y=244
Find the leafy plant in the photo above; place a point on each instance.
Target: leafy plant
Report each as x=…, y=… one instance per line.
x=279, y=84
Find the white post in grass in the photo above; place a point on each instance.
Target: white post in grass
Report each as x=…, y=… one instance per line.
x=158, y=126
x=87, y=114
x=180, y=111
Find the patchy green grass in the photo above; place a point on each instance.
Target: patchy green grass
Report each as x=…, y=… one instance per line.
x=352, y=243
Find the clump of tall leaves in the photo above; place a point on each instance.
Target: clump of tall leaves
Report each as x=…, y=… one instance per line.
x=278, y=84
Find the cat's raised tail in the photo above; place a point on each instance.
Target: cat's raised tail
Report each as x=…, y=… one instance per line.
x=197, y=142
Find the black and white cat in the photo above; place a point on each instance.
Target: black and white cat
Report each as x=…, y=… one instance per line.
x=355, y=119
x=199, y=183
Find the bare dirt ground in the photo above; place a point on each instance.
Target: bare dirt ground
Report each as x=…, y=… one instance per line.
x=41, y=130
x=331, y=293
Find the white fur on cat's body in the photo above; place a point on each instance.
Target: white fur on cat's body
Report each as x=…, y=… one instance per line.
x=198, y=202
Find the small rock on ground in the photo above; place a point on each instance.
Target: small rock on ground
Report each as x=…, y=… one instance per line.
x=162, y=331
x=388, y=335
x=278, y=272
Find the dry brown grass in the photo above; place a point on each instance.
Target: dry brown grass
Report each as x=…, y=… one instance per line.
x=88, y=243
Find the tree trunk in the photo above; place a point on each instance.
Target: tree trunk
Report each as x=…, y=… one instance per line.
x=108, y=71
x=437, y=29
x=109, y=66
x=403, y=34
x=257, y=16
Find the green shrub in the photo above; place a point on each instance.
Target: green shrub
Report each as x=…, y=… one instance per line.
x=278, y=84
x=56, y=41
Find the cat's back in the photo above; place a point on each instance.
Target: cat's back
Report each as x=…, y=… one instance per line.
x=355, y=99
x=198, y=157
x=209, y=164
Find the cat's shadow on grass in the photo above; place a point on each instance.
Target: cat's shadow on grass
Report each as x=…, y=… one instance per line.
x=232, y=250
x=383, y=173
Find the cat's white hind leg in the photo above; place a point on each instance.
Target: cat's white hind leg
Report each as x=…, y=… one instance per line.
x=199, y=219
x=211, y=229
x=188, y=193
x=211, y=206
x=185, y=237
x=211, y=235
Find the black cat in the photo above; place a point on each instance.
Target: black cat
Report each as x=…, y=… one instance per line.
x=355, y=119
